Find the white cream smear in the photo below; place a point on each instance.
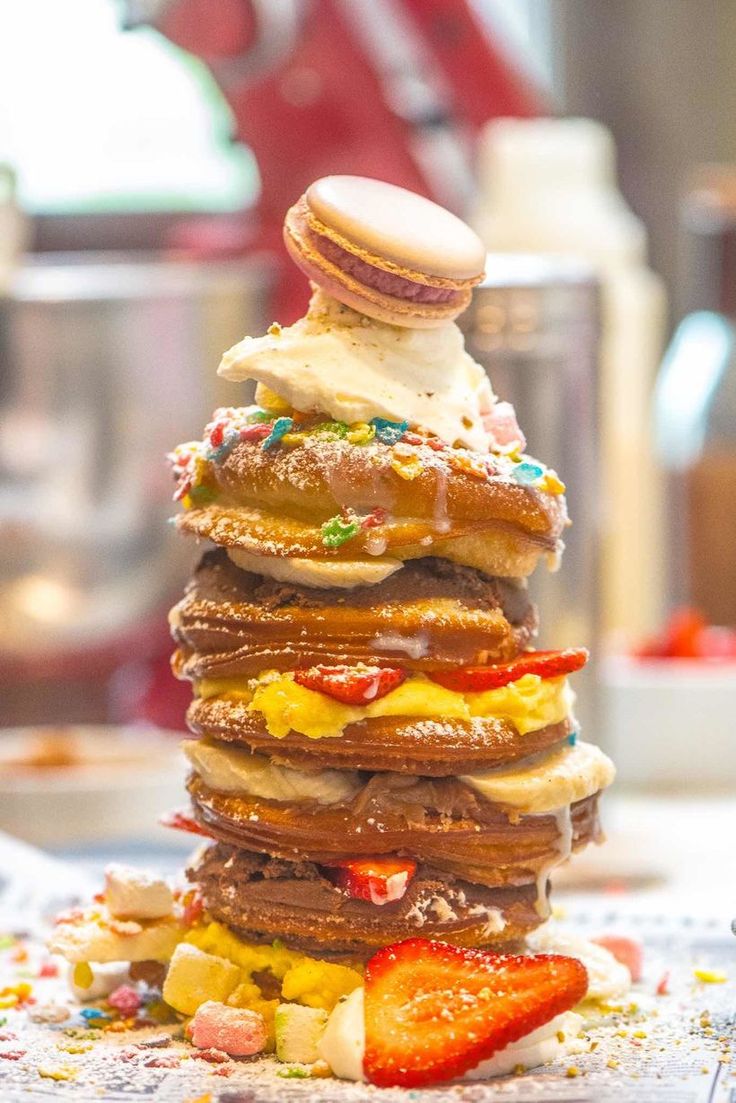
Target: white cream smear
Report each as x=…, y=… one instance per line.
x=342, y=1045
x=608, y=979
x=234, y=770
x=548, y=781
x=355, y=368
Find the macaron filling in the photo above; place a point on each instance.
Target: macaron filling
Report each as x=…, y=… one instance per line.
x=377, y=278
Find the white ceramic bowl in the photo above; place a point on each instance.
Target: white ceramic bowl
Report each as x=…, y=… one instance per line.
x=671, y=723
x=119, y=782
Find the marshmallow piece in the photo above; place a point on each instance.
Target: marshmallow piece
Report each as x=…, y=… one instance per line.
x=237, y=1031
x=298, y=1030
x=136, y=894
x=105, y=979
x=627, y=951
x=97, y=939
x=343, y=1043
x=195, y=977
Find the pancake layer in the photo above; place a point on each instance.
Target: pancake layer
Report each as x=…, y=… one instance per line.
x=474, y=839
x=407, y=499
x=429, y=615
x=266, y=898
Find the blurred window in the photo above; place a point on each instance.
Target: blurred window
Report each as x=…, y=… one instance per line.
x=97, y=119
x=525, y=28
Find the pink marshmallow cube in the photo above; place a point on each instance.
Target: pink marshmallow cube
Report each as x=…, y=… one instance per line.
x=500, y=422
x=234, y=1030
x=625, y=950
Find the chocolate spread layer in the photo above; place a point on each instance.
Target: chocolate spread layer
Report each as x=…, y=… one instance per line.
x=266, y=898
x=430, y=614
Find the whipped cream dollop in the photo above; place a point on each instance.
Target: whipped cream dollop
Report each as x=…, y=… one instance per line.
x=608, y=979
x=355, y=368
x=342, y=1045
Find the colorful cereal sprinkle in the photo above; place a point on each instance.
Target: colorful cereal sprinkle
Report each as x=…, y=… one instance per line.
x=15, y=994
x=373, y=519
x=338, y=530
x=469, y=464
x=281, y=426
x=551, y=484
x=389, y=432
x=710, y=976
x=528, y=473
x=226, y=440
x=405, y=462
x=338, y=429
x=361, y=432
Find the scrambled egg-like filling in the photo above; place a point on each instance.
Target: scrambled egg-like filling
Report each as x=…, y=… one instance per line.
x=529, y=703
x=301, y=979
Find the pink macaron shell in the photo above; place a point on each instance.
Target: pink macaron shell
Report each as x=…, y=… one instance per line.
x=367, y=305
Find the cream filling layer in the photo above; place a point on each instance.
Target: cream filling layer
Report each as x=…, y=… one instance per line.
x=234, y=770
x=356, y=368
x=531, y=786
x=336, y=574
x=529, y=703
x=547, y=782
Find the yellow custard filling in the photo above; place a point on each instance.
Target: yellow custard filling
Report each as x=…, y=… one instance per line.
x=529, y=703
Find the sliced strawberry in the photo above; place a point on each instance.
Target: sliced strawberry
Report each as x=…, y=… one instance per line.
x=181, y=821
x=380, y=880
x=547, y=664
x=433, y=1011
x=193, y=902
x=663, y=987
x=353, y=685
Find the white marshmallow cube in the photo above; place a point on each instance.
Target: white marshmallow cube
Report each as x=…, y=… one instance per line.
x=136, y=894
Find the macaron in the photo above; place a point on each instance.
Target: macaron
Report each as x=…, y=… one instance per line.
x=384, y=251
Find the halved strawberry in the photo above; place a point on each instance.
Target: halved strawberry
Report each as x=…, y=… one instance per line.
x=433, y=1011
x=353, y=685
x=182, y=821
x=380, y=880
x=547, y=664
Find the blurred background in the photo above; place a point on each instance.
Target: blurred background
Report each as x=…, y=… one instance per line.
x=148, y=152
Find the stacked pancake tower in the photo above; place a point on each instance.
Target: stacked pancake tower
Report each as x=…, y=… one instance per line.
x=379, y=752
